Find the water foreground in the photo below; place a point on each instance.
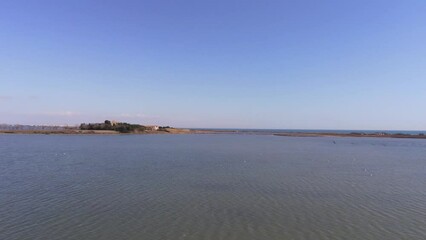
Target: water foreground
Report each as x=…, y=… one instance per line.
x=211, y=186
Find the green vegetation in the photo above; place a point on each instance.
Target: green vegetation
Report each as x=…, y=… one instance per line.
x=164, y=128
x=121, y=127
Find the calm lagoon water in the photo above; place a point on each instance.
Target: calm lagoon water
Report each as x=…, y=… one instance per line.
x=211, y=187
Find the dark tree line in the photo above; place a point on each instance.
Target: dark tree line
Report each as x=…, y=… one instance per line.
x=121, y=127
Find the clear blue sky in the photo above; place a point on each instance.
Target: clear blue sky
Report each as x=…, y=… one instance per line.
x=223, y=63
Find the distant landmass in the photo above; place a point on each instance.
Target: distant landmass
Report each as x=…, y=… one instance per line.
x=19, y=127
x=106, y=127
x=122, y=127
x=114, y=127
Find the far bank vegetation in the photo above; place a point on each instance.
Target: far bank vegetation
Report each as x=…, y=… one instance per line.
x=122, y=127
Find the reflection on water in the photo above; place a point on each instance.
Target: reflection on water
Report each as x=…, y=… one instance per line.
x=211, y=187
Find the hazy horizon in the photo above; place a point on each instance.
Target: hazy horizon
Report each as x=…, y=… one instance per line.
x=357, y=65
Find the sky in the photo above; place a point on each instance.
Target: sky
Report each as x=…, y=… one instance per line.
x=215, y=64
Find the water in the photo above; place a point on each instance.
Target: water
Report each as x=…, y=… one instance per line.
x=211, y=187
x=272, y=131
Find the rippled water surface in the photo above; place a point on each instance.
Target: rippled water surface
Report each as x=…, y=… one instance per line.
x=211, y=187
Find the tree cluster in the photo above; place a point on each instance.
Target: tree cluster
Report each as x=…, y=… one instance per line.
x=121, y=127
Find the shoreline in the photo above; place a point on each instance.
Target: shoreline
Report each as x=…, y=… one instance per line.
x=90, y=132
x=212, y=131
x=317, y=134
x=356, y=135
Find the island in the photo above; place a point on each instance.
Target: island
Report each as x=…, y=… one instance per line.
x=115, y=127
x=106, y=127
